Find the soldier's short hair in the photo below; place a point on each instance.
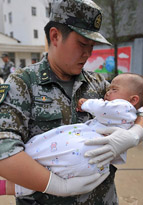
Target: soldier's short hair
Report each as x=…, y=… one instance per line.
x=63, y=28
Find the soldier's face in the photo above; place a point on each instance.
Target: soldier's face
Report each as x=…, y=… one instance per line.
x=5, y=59
x=71, y=55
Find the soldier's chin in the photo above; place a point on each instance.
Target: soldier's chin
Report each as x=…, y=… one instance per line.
x=77, y=73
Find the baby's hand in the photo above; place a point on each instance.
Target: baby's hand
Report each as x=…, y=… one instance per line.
x=79, y=104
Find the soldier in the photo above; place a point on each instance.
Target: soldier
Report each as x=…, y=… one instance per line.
x=8, y=66
x=34, y=60
x=44, y=96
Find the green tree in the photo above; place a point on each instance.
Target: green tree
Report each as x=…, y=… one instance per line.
x=119, y=18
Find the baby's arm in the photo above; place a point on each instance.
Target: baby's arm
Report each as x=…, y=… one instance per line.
x=94, y=106
x=116, y=111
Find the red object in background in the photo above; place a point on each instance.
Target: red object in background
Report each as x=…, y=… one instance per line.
x=98, y=58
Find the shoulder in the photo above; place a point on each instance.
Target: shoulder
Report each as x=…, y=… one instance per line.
x=11, y=63
x=32, y=73
x=122, y=103
x=95, y=77
x=96, y=80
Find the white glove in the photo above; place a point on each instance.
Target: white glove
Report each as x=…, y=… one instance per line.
x=66, y=187
x=114, y=144
x=73, y=186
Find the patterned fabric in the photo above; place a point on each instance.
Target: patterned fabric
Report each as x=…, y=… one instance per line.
x=36, y=103
x=115, y=113
x=66, y=157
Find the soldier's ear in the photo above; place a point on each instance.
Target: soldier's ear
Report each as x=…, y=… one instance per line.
x=55, y=36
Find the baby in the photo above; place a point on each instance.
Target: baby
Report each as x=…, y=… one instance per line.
x=62, y=149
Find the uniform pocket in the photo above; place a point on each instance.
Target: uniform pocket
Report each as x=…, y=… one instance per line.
x=46, y=111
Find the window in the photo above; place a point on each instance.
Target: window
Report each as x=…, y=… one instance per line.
x=35, y=57
x=12, y=57
x=10, y=17
x=11, y=34
x=48, y=10
x=22, y=63
x=35, y=33
x=33, y=10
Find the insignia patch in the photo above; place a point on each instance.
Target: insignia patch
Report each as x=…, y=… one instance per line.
x=4, y=88
x=43, y=99
x=44, y=76
x=97, y=21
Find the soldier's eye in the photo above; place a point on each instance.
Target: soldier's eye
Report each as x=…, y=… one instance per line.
x=83, y=44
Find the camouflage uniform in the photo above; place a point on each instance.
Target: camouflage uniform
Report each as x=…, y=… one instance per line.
x=6, y=70
x=37, y=103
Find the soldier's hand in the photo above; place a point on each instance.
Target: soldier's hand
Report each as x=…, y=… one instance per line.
x=73, y=186
x=66, y=187
x=117, y=141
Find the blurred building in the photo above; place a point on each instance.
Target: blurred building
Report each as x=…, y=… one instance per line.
x=22, y=29
x=21, y=55
x=22, y=34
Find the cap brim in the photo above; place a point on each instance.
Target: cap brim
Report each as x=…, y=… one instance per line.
x=95, y=36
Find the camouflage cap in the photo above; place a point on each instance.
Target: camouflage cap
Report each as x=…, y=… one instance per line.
x=82, y=16
x=4, y=55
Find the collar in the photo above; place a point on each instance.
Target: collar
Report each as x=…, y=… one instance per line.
x=48, y=76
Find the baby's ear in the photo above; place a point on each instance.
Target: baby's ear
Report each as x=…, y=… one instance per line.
x=134, y=99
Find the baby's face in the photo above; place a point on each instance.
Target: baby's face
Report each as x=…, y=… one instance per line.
x=119, y=89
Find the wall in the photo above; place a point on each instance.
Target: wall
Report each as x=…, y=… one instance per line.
x=137, y=56
x=1, y=17
x=130, y=58
x=23, y=23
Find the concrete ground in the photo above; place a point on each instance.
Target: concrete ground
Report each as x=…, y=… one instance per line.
x=129, y=180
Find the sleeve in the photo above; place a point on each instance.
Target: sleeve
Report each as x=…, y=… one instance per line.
x=115, y=112
x=93, y=106
x=14, y=116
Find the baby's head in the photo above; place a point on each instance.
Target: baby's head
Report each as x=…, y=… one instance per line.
x=127, y=86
